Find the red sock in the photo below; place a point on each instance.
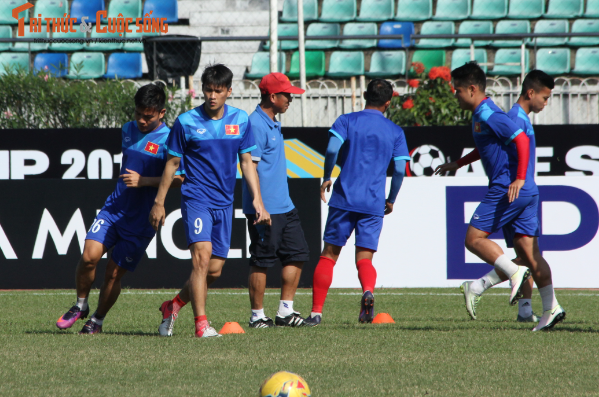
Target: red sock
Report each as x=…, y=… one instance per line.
x=323, y=277
x=201, y=323
x=366, y=274
x=177, y=304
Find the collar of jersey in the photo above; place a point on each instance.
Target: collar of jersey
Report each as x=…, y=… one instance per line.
x=373, y=111
x=484, y=101
x=203, y=113
x=160, y=127
x=272, y=124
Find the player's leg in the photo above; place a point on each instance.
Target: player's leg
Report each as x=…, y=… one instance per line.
x=525, y=313
x=368, y=231
x=201, y=252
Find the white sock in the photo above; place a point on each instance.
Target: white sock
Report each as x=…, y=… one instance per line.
x=485, y=282
x=82, y=303
x=525, y=307
x=314, y=314
x=505, y=264
x=285, y=308
x=97, y=320
x=548, y=297
x=257, y=314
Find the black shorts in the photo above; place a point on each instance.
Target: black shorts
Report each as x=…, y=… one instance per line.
x=283, y=240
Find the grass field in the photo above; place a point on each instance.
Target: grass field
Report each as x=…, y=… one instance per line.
x=432, y=349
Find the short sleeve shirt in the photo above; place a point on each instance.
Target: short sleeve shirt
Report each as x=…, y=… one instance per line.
x=520, y=118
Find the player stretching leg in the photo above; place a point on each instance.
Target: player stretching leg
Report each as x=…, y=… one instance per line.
x=123, y=221
x=209, y=138
x=512, y=200
x=284, y=239
x=358, y=202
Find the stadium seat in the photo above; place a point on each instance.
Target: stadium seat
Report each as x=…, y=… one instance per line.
x=387, y=64
x=583, y=26
x=57, y=64
x=71, y=47
x=86, y=8
x=344, y=64
x=526, y=9
x=452, y=10
x=51, y=9
x=359, y=29
x=376, y=10
x=462, y=56
x=129, y=9
x=474, y=27
x=587, y=61
x=322, y=29
x=136, y=46
x=564, y=9
x=315, y=64
x=92, y=64
x=338, y=10
x=405, y=28
x=434, y=27
x=551, y=26
x=24, y=46
x=285, y=29
x=162, y=9
x=509, y=55
x=124, y=66
x=414, y=10
x=104, y=46
x=553, y=60
x=13, y=61
x=6, y=8
x=489, y=9
x=429, y=58
x=5, y=33
x=290, y=10
x=592, y=9
x=261, y=65
x=505, y=26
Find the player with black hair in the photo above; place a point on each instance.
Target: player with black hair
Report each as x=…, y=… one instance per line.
x=512, y=201
x=370, y=142
x=123, y=221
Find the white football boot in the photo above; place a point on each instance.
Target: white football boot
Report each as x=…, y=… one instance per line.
x=516, y=282
x=471, y=298
x=550, y=318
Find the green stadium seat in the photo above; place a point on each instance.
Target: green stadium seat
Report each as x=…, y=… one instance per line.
x=129, y=9
x=474, y=27
x=564, y=9
x=338, y=10
x=13, y=62
x=51, y=9
x=553, y=60
x=376, y=10
x=24, y=46
x=587, y=61
x=315, y=64
x=462, y=56
x=452, y=10
x=261, y=65
x=592, y=10
x=137, y=47
x=290, y=10
x=429, y=58
x=322, y=29
x=359, y=29
x=71, y=47
x=436, y=27
x=551, y=26
x=507, y=26
x=6, y=8
x=489, y=9
x=5, y=33
x=344, y=64
x=414, y=10
x=285, y=29
x=104, y=46
x=526, y=9
x=93, y=65
x=387, y=64
x=583, y=26
x=509, y=55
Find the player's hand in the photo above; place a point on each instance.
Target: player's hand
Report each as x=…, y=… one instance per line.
x=326, y=185
x=388, y=208
x=132, y=179
x=443, y=168
x=514, y=190
x=262, y=216
x=157, y=216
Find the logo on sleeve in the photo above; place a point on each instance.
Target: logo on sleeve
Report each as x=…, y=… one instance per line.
x=477, y=127
x=232, y=129
x=152, y=147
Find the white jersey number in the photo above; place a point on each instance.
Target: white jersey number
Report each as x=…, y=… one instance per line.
x=198, y=224
x=96, y=225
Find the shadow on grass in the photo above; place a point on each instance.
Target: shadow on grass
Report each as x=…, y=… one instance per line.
x=71, y=332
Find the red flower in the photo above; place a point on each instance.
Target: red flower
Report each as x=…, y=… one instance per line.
x=408, y=104
x=442, y=72
x=418, y=67
x=452, y=89
x=428, y=114
x=395, y=93
x=431, y=99
x=416, y=125
x=413, y=83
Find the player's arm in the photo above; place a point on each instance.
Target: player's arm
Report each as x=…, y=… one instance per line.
x=330, y=159
x=248, y=170
x=133, y=179
x=157, y=214
x=455, y=165
x=396, y=180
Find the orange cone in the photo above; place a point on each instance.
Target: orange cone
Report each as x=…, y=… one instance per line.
x=231, y=328
x=383, y=318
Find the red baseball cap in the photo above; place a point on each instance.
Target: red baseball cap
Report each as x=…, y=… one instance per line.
x=274, y=83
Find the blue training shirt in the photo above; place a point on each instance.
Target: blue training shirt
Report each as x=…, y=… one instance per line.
x=370, y=142
x=520, y=118
x=209, y=149
x=272, y=166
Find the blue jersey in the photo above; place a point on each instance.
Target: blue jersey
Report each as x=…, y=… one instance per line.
x=272, y=166
x=370, y=142
x=493, y=134
x=520, y=118
x=209, y=149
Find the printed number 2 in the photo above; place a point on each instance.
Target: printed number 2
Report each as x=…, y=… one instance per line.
x=198, y=224
x=96, y=225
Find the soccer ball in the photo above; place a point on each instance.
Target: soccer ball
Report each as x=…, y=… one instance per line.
x=424, y=160
x=285, y=384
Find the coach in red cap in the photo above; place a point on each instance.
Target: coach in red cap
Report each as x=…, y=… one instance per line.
x=284, y=238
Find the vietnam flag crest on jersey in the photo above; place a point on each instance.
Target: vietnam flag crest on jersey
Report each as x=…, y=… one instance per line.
x=152, y=147
x=477, y=127
x=232, y=129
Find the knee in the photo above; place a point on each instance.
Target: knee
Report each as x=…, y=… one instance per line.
x=214, y=273
x=470, y=243
x=89, y=260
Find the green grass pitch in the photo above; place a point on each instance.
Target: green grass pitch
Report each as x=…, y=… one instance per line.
x=433, y=349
